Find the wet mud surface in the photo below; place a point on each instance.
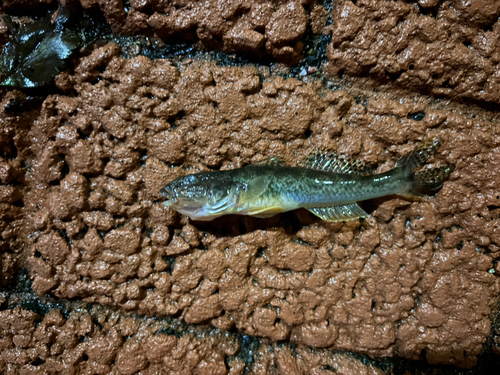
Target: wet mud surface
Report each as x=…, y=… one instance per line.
x=442, y=48
x=80, y=179
x=44, y=335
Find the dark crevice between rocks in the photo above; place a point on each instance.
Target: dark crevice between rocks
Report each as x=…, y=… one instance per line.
x=57, y=41
x=35, y=9
x=429, y=11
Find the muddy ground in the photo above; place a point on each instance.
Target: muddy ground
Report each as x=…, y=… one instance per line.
x=80, y=178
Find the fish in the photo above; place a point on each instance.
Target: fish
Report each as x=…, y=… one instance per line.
x=327, y=185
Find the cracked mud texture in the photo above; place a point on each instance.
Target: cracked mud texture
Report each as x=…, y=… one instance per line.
x=96, y=340
x=79, y=194
x=273, y=28
x=412, y=277
x=105, y=342
x=444, y=48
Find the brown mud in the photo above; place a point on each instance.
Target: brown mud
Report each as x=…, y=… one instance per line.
x=80, y=181
x=48, y=338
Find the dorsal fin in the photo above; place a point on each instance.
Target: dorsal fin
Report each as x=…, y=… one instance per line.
x=333, y=163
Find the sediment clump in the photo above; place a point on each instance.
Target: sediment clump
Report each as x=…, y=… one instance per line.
x=79, y=198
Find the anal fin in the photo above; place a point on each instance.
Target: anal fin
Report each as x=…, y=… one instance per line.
x=339, y=213
x=265, y=212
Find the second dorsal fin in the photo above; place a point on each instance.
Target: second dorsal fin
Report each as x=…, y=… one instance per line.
x=333, y=163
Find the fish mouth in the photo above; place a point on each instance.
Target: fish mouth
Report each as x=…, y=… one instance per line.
x=167, y=203
x=169, y=197
x=196, y=213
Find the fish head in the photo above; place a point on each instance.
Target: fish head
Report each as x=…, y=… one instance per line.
x=202, y=196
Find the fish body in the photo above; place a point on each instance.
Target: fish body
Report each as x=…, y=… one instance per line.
x=327, y=186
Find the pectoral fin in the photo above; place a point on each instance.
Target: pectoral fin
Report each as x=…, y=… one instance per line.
x=266, y=212
x=339, y=213
x=253, y=202
x=255, y=188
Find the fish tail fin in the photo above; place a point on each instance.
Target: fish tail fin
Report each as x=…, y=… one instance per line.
x=432, y=179
x=419, y=155
x=429, y=179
